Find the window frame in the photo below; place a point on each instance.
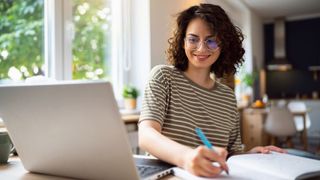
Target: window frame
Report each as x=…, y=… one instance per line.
x=59, y=32
x=56, y=58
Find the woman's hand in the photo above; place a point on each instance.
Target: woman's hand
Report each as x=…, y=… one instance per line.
x=199, y=161
x=266, y=149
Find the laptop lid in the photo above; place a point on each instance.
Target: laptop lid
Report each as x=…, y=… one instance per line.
x=68, y=129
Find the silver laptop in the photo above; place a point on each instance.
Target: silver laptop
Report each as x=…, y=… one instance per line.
x=71, y=130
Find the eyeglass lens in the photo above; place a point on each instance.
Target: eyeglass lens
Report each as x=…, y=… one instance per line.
x=195, y=43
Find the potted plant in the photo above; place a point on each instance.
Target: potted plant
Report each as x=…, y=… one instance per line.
x=248, y=82
x=248, y=79
x=130, y=95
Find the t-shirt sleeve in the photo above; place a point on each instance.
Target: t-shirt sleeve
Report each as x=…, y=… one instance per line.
x=155, y=103
x=235, y=145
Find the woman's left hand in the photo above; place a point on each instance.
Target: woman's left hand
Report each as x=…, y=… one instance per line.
x=266, y=149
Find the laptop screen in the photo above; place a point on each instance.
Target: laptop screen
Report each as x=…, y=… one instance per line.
x=70, y=129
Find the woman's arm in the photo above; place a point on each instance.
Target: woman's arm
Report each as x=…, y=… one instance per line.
x=197, y=161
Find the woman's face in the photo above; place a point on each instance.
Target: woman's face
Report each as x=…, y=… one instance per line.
x=201, y=47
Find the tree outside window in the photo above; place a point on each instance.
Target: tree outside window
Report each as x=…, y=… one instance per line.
x=92, y=41
x=22, y=39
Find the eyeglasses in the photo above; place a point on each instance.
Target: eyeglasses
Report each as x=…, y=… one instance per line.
x=194, y=43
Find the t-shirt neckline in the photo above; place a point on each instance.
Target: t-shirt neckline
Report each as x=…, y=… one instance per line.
x=215, y=85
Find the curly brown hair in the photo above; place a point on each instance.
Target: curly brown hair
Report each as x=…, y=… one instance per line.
x=230, y=36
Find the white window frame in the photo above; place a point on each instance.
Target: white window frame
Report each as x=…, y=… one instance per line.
x=56, y=60
x=59, y=33
x=122, y=60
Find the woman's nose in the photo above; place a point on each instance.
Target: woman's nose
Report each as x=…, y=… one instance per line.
x=202, y=46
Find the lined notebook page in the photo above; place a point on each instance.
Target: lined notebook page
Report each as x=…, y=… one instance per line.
x=275, y=166
x=283, y=166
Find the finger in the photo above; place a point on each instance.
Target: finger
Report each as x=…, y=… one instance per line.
x=214, y=156
x=209, y=168
x=204, y=173
x=222, y=152
x=276, y=149
x=203, y=167
x=260, y=149
x=264, y=150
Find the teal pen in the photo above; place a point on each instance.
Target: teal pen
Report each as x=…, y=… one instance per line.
x=206, y=142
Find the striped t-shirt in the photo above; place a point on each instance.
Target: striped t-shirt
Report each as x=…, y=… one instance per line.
x=180, y=105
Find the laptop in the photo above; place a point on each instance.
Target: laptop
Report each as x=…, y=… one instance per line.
x=72, y=129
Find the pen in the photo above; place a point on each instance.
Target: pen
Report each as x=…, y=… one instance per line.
x=206, y=142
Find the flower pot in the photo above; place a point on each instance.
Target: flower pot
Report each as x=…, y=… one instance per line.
x=130, y=104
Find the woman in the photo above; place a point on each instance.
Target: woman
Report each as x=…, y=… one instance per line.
x=183, y=96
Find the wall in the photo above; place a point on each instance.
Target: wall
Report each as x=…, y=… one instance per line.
x=257, y=53
x=257, y=41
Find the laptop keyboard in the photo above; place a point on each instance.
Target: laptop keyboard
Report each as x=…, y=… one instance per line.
x=145, y=171
x=152, y=168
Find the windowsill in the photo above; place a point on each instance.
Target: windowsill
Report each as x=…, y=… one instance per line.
x=125, y=112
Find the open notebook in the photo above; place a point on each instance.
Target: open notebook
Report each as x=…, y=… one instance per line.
x=273, y=166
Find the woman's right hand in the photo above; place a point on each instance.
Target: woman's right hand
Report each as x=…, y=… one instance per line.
x=199, y=161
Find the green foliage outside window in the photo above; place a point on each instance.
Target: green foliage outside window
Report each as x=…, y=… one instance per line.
x=22, y=38
x=92, y=43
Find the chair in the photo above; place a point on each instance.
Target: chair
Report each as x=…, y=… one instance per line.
x=296, y=106
x=299, y=106
x=279, y=123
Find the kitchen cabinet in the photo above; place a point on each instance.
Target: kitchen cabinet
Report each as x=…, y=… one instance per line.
x=252, y=123
x=302, y=51
x=302, y=43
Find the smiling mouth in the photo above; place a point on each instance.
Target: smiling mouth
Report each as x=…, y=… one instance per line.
x=201, y=57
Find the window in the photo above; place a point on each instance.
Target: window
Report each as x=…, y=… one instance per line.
x=64, y=40
x=21, y=39
x=91, y=44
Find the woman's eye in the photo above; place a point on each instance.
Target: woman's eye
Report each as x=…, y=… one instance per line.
x=192, y=40
x=211, y=43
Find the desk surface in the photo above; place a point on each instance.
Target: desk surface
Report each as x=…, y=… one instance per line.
x=14, y=170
